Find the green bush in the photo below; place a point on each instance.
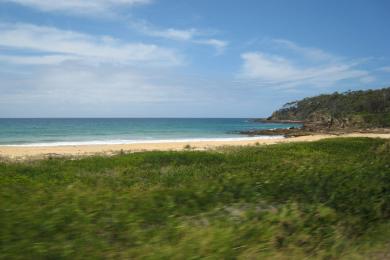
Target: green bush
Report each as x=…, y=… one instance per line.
x=327, y=199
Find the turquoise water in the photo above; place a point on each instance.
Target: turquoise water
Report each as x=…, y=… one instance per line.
x=122, y=130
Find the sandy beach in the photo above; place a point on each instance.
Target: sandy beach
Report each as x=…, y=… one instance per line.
x=36, y=152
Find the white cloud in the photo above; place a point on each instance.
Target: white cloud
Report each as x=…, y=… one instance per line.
x=285, y=72
x=269, y=68
x=60, y=45
x=185, y=35
x=174, y=34
x=78, y=6
x=219, y=45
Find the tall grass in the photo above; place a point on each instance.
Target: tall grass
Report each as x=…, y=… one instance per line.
x=327, y=199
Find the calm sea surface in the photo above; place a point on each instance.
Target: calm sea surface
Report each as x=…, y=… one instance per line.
x=73, y=131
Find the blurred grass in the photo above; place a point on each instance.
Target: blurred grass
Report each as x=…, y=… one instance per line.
x=326, y=200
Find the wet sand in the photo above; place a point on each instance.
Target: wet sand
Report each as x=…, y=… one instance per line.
x=36, y=152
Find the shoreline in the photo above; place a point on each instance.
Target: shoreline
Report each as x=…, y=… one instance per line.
x=41, y=152
x=144, y=141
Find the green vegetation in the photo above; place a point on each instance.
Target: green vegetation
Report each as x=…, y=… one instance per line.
x=350, y=109
x=325, y=200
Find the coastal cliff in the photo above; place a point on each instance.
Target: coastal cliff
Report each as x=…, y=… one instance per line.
x=352, y=111
x=356, y=109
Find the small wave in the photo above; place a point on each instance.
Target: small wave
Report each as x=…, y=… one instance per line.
x=114, y=142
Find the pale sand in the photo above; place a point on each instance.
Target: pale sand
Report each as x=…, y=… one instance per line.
x=82, y=150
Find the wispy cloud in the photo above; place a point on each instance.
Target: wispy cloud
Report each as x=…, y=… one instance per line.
x=80, y=7
x=35, y=60
x=385, y=69
x=88, y=84
x=167, y=33
x=59, y=71
x=267, y=69
x=219, y=45
x=308, y=52
x=63, y=72
x=53, y=45
x=174, y=34
x=191, y=35
x=113, y=8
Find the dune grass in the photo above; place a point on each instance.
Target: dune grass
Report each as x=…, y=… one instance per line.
x=328, y=199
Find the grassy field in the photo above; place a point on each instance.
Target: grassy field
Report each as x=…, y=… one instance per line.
x=327, y=200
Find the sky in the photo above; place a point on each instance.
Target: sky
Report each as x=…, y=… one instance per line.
x=185, y=58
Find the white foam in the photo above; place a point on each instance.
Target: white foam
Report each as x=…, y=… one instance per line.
x=113, y=142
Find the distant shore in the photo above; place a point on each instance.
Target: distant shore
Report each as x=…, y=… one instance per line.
x=38, y=152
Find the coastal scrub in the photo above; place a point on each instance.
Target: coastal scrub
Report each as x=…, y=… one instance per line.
x=326, y=199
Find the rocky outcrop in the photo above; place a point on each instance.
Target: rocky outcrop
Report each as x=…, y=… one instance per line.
x=313, y=130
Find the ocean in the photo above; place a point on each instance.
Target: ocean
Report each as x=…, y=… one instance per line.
x=78, y=131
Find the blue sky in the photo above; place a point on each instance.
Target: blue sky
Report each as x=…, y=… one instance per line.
x=165, y=58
